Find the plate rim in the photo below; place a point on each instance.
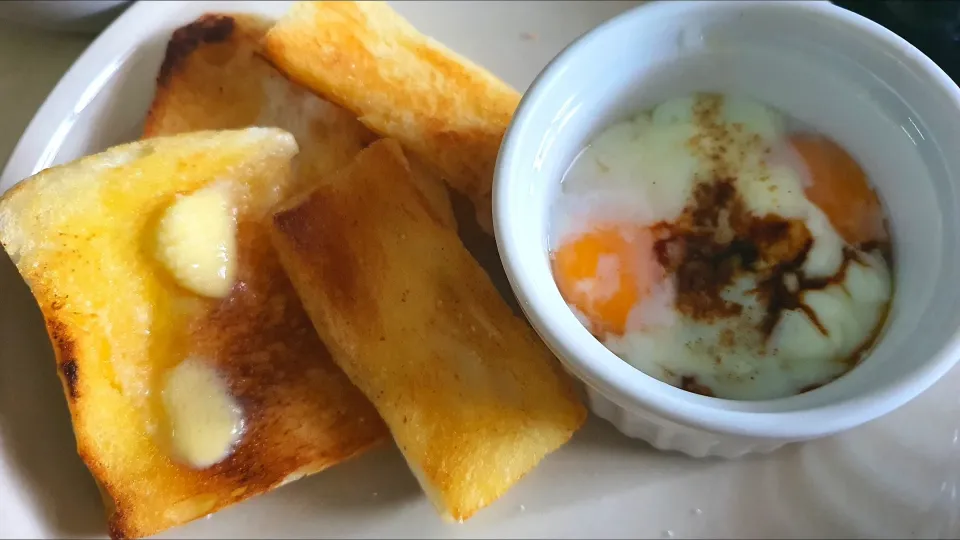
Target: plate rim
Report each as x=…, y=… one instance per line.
x=40, y=142
x=76, y=88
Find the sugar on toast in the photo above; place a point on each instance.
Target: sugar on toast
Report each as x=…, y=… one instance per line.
x=214, y=77
x=79, y=235
x=401, y=84
x=472, y=397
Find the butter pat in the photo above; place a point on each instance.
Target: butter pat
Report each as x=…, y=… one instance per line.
x=204, y=419
x=196, y=241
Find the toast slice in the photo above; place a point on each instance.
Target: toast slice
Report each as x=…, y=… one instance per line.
x=472, y=397
x=401, y=84
x=83, y=236
x=213, y=77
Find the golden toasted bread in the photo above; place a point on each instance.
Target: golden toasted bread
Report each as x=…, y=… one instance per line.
x=83, y=236
x=213, y=78
x=471, y=395
x=401, y=84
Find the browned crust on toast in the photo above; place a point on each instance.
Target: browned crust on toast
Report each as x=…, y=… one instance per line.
x=211, y=28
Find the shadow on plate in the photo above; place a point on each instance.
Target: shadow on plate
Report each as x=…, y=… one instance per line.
x=35, y=424
x=483, y=247
x=379, y=478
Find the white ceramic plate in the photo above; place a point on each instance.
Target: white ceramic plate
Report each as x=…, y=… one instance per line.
x=895, y=478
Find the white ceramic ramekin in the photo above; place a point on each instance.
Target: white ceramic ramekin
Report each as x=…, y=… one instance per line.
x=892, y=107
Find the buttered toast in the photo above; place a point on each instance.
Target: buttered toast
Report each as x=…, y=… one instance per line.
x=401, y=84
x=190, y=386
x=214, y=77
x=472, y=397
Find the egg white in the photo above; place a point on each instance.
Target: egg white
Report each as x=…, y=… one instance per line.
x=642, y=171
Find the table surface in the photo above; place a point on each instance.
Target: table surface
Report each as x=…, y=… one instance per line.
x=31, y=63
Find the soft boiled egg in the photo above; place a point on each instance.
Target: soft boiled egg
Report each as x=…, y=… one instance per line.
x=713, y=248
x=838, y=186
x=605, y=272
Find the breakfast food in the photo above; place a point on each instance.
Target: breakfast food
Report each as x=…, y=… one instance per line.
x=401, y=84
x=721, y=247
x=213, y=77
x=193, y=376
x=472, y=397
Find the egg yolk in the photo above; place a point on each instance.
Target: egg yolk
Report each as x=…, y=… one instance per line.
x=839, y=187
x=605, y=272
